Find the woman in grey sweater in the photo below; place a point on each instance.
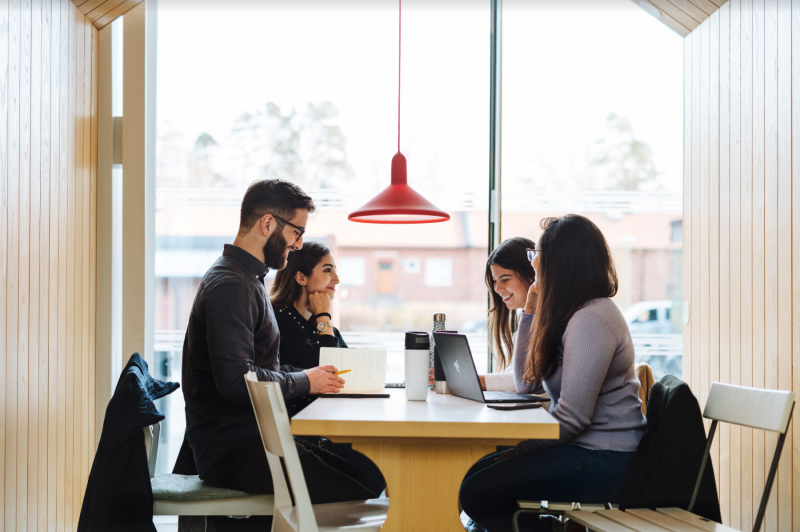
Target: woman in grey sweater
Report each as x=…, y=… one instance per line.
x=575, y=345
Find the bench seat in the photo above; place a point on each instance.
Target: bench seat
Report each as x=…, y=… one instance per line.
x=188, y=495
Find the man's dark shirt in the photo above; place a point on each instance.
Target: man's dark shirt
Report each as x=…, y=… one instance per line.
x=232, y=330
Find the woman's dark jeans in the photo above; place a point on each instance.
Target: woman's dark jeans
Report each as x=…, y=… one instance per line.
x=565, y=473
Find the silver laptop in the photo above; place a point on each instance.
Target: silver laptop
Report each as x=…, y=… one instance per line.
x=462, y=377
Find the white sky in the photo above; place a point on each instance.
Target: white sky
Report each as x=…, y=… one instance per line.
x=567, y=64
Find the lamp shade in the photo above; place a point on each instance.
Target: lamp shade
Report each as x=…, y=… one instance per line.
x=398, y=203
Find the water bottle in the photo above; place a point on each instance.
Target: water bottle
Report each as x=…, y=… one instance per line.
x=416, y=358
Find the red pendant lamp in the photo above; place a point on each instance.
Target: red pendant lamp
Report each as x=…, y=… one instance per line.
x=398, y=203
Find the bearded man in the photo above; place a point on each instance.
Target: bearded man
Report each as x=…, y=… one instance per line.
x=232, y=330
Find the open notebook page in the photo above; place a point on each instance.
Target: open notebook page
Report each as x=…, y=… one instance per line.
x=368, y=368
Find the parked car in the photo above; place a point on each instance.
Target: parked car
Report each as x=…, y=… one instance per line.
x=650, y=317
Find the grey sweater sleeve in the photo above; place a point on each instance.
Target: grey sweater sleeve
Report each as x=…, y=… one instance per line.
x=589, y=346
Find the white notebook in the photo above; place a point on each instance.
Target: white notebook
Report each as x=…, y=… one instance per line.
x=367, y=368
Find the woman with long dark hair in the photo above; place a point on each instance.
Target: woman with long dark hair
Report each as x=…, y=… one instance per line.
x=301, y=296
x=575, y=345
x=509, y=276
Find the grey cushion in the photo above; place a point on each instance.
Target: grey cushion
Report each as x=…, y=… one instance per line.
x=189, y=488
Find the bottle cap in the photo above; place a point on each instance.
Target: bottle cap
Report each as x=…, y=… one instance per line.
x=417, y=340
x=438, y=317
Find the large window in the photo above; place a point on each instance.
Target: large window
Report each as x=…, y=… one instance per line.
x=307, y=91
x=592, y=125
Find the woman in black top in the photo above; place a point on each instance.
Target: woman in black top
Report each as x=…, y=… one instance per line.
x=301, y=296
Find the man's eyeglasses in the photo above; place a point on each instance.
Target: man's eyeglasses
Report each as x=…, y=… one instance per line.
x=298, y=234
x=532, y=253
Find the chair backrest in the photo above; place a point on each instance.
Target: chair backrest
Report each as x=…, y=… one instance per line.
x=273, y=424
x=750, y=407
x=152, y=435
x=645, y=375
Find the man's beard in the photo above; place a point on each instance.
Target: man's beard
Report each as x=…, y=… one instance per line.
x=274, y=251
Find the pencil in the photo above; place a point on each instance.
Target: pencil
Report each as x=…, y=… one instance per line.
x=343, y=371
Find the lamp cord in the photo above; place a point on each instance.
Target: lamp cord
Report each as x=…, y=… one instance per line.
x=399, y=45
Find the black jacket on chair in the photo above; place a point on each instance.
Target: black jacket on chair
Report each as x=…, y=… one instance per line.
x=118, y=495
x=665, y=468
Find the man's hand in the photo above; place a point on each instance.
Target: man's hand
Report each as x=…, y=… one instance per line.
x=319, y=302
x=323, y=380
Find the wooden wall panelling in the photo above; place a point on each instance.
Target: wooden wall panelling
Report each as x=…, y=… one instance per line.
x=759, y=233
x=725, y=258
x=12, y=281
x=47, y=238
x=795, y=117
x=701, y=363
x=714, y=218
x=93, y=222
x=746, y=224
x=735, y=284
x=783, y=370
x=759, y=62
x=69, y=235
x=41, y=373
x=62, y=497
x=53, y=378
x=87, y=329
x=770, y=203
x=686, y=256
x=5, y=11
x=23, y=304
x=35, y=264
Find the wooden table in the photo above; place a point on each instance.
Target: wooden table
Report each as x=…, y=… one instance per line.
x=423, y=448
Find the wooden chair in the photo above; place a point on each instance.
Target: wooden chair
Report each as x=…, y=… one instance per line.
x=749, y=407
x=187, y=495
x=273, y=423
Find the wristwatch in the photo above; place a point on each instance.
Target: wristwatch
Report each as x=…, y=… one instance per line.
x=322, y=326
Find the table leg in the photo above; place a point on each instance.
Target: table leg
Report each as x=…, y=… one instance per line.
x=424, y=481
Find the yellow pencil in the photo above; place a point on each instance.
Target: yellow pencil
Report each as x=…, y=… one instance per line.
x=343, y=371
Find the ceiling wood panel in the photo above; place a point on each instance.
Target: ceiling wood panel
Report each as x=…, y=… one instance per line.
x=707, y=6
x=103, y=12
x=681, y=16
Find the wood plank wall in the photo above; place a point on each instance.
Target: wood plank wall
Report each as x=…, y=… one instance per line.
x=48, y=127
x=741, y=240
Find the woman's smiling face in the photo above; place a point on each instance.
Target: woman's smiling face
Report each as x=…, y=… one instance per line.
x=323, y=277
x=510, y=287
